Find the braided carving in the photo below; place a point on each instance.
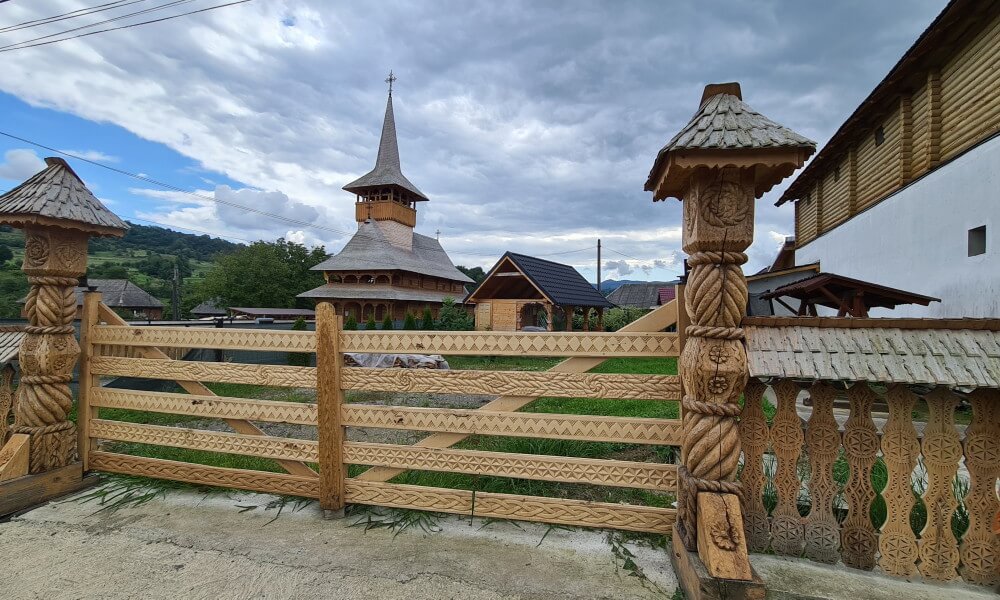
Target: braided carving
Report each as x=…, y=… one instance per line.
x=53, y=263
x=6, y=401
x=718, y=222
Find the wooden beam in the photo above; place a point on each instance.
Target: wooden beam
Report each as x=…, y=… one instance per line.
x=330, y=398
x=89, y=319
x=178, y=370
x=206, y=406
x=693, y=577
x=14, y=457
x=721, y=544
x=26, y=492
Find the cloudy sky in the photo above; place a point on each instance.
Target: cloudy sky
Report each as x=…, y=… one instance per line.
x=530, y=125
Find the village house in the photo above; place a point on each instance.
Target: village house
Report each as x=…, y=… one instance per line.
x=905, y=193
x=646, y=296
x=523, y=291
x=125, y=297
x=386, y=268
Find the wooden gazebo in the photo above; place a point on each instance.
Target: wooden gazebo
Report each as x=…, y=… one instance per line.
x=849, y=297
x=519, y=288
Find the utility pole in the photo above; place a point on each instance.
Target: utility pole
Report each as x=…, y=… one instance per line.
x=598, y=265
x=175, y=296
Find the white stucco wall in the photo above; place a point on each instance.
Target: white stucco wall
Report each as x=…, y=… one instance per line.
x=917, y=240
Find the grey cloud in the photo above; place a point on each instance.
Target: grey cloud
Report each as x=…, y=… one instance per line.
x=19, y=164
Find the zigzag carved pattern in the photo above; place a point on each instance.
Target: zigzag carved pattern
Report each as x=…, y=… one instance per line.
x=565, y=427
x=511, y=344
x=513, y=383
x=218, y=407
x=211, y=441
x=508, y=506
x=187, y=370
x=258, y=481
x=205, y=337
x=524, y=466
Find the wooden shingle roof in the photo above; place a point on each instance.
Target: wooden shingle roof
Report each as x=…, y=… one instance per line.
x=912, y=351
x=57, y=196
x=387, y=171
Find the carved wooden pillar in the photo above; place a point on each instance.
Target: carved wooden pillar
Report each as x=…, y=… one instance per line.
x=718, y=172
x=54, y=260
x=600, y=318
x=586, y=318
x=568, y=310
x=549, y=315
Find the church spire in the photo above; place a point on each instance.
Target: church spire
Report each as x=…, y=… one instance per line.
x=387, y=173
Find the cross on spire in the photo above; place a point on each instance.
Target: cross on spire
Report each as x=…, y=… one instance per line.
x=390, y=79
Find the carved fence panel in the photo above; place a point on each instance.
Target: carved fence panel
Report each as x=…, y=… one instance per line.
x=137, y=354
x=844, y=456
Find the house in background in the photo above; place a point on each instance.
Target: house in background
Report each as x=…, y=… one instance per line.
x=522, y=291
x=770, y=279
x=208, y=309
x=646, y=296
x=387, y=268
x=907, y=191
x=289, y=314
x=124, y=297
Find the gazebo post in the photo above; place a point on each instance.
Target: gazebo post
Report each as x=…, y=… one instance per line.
x=58, y=214
x=549, y=314
x=569, y=310
x=586, y=318
x=717, y=174
x=600, y=318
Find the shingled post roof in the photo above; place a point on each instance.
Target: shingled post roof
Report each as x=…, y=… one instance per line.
x=56, y=196
x=723, y=128
x=387, y=171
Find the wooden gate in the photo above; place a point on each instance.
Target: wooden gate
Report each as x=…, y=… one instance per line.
x=499, y=417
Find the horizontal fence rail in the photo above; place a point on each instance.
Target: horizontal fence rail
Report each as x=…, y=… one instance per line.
x=218, y=407
x=186, y=370
x=482, y=343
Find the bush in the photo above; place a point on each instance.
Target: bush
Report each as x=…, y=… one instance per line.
x=410, y=324
x=428, y=323
x=387, y=324
x=616, y=318
x=454, y=317
x=370, y=325
x=299, y=359
x=350, y=323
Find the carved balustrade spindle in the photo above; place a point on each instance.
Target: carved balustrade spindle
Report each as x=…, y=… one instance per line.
x=6, y=401
x=786, y=440
x=942, y=450
x=754, y=437
x=54, y=260
x=857, y=537
x=822, y=532
x=900, y=449
x=980, y=551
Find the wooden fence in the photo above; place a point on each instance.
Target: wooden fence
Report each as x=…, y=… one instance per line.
x=332, y=453
x=836, y=493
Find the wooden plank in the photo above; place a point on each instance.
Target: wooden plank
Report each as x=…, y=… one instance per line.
x=262, y=446
x=657, y=320
x=173, y=370
x=617, y=473
x=31, y=490
x=578, y=513
x=209, y=407
x=519, y=383
x=721, y=545
x=697, y=584
x=195, y=387
x=257, y=481
x=543, y=425
x=14, y=457
x=503, y=343
x=330, y=398
x=89, y=319
x=268, y=340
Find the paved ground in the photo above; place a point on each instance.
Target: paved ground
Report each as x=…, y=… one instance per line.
x=187, y=545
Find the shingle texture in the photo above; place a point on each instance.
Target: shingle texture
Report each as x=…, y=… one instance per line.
x=371, y=292
x=951, y=357
x=387, y=171
x=56, y=192
x=561, y=283
x=725, y=122
x=10, y=343
x=640, y=295
x=120, y=293
x=369, y=249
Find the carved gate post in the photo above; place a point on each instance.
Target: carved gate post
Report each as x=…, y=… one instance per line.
x=58, y=214
x=727, y=156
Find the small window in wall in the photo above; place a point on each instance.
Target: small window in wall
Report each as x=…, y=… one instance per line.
x=879, y=136
x=977, y=241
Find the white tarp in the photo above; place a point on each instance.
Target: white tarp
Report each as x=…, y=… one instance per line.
x=405, y=361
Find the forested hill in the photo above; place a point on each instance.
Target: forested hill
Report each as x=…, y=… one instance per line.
x=165, y=241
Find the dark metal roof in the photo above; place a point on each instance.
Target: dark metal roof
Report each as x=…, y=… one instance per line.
x=274, y=312
x=369, y=249
x=561, y=283
x=119, y=293
x=725, y=122
x=640, y=295
x=812, y=289
x=56, y=196
x=387, y=171
x=208, y=307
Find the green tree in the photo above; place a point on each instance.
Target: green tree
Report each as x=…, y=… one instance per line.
x=5, y=254
x=299, y=359
x=476, y=274
x=410, y=323
x=454, y=317
x=428, y=323
x=350, y=323
x=370, y=325
x=264, y=274
x=387, y=323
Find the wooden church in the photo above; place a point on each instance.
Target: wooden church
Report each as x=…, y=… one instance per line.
x=387, y=268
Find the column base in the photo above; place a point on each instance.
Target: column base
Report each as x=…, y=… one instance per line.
x=699, y=585
x=23, y=493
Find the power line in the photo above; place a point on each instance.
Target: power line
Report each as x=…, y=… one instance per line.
x=200, y=10
x=28, y=43
x=80, y=12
